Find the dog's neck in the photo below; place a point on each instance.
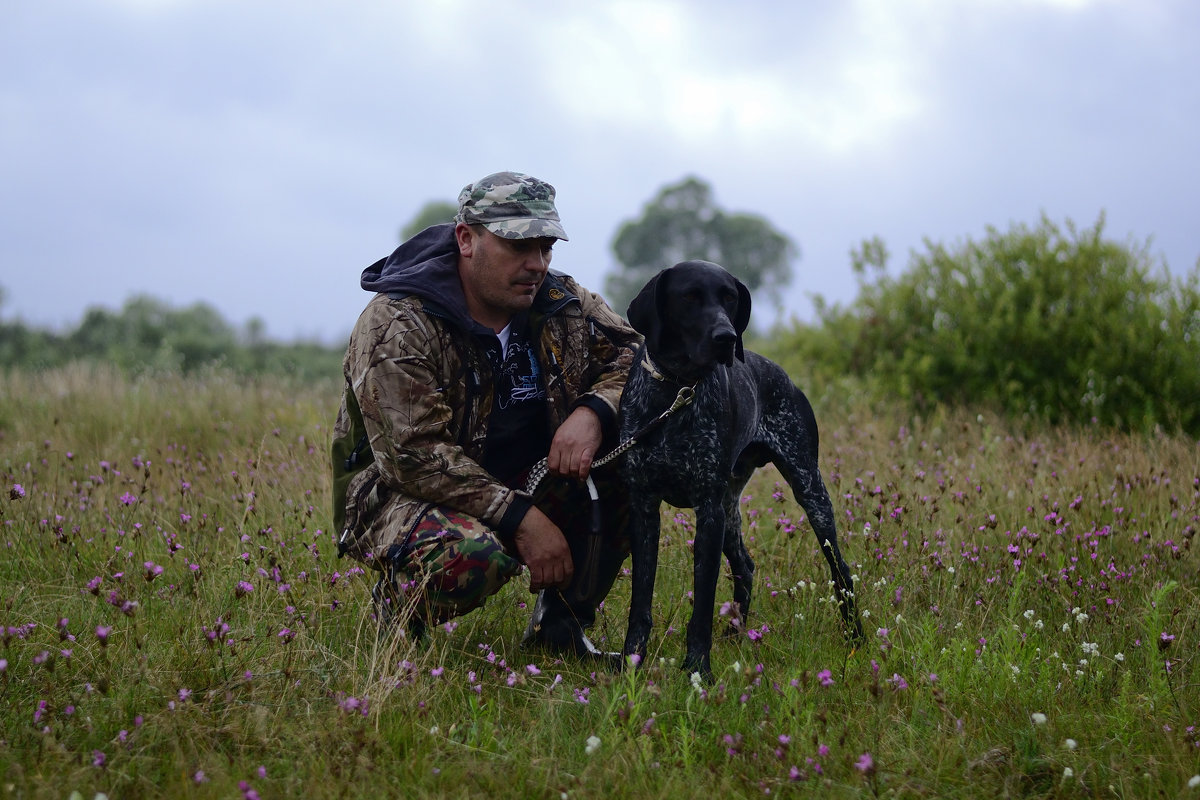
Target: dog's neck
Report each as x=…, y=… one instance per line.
x=660, y=374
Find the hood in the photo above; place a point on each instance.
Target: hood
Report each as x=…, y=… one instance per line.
x=426, y=266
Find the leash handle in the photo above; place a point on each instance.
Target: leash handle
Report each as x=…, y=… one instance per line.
x=685, y=396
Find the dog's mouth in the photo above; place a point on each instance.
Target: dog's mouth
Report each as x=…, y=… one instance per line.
x=722, y=353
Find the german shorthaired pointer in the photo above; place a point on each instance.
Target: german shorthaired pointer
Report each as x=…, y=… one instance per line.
x=745, y=412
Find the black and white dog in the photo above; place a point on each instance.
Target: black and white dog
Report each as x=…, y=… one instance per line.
x=745, y=413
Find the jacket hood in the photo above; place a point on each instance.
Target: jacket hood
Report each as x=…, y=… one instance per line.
x=426, y=266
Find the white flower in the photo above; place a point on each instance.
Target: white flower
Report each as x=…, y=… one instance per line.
x=1119, y=657
x=1194, y=782
x=1066, y=627
x=1081, y=618
x=1070, y=744
x=1038, y=718
x=1091, y=648
x=1039, y=624
x=593, y=744
x=697, y=681
x=1068, y=773
x=1029, y=613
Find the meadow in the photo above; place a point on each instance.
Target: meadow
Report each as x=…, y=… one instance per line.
x=175, y=622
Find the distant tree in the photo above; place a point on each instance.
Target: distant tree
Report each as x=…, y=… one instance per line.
x=434, y=212
x=682, y=223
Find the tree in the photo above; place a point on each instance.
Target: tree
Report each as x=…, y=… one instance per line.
x=434, y=212
x=683, y=223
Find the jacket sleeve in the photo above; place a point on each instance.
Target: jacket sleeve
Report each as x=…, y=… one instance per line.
x=612, y=343
x=393, y=368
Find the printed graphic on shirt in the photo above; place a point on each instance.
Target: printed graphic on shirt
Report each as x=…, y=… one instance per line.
x=518, y=429
x=519, y=379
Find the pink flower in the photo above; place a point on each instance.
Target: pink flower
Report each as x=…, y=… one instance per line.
x=825, y=677
x=128, y=499
x=865, y=764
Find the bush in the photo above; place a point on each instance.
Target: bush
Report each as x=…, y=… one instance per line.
x=1061, y=326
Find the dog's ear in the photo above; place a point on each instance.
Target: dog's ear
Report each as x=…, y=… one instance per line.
x=741, y=320
x=644, y=312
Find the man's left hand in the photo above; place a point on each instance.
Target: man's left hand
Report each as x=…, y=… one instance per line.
x=575, y=444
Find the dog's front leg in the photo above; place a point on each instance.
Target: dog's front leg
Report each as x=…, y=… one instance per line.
x=706, y=569
x=643, y=536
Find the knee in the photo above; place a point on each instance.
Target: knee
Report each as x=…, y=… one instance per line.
x=472, y=572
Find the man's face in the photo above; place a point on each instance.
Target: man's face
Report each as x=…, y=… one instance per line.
x=501, y=276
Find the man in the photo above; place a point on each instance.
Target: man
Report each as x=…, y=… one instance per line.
x=471, y=363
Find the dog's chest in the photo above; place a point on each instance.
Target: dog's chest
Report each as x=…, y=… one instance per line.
x=683, y=460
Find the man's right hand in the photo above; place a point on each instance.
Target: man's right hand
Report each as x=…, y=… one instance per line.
x=544, y=550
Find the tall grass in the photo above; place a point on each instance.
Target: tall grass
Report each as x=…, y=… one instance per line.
x=175, y=622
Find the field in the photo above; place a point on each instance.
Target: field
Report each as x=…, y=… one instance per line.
x=175, y=622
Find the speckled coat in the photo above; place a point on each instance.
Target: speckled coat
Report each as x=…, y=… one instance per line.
x=419, y=375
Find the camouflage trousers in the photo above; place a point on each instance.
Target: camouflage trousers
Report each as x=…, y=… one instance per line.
x=451, y=563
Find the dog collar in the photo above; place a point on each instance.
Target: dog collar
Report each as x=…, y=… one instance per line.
x=649, y=366
x=659, y=374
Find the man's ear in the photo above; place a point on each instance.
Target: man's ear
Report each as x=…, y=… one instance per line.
x=465, y=238
x=645, y=312
x=741, y=320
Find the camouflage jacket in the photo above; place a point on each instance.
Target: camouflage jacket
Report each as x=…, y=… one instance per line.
x=421, y=387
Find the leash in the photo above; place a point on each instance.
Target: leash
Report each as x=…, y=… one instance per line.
x=539, y=470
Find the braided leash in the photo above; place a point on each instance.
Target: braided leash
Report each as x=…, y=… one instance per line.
x=686, y=394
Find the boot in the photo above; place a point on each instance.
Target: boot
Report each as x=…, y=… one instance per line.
x=556, y=628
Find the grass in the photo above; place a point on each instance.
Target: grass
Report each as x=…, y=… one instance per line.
x=175, y=622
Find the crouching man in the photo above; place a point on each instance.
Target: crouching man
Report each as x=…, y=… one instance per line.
x=471, y=363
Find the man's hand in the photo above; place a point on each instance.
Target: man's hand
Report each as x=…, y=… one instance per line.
x=575, y=444
x=544, y=550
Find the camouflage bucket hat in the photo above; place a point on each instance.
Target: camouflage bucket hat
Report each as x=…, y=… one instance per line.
x=512, y=206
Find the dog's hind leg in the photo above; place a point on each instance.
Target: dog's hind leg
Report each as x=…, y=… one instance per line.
x=813, y=497
x=741, y=565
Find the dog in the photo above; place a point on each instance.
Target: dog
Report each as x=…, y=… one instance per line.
x=744, y=412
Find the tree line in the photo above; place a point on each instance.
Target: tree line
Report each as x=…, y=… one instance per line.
x=1047, y=321
x=148, y=334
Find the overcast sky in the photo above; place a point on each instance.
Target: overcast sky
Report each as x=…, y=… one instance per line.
x=258, y=155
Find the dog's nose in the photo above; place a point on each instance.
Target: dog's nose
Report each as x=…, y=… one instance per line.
x=724, y=337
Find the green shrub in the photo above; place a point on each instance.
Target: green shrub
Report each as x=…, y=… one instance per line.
x=1062, y=326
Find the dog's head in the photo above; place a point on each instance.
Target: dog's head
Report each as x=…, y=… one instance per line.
x=693, y=316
